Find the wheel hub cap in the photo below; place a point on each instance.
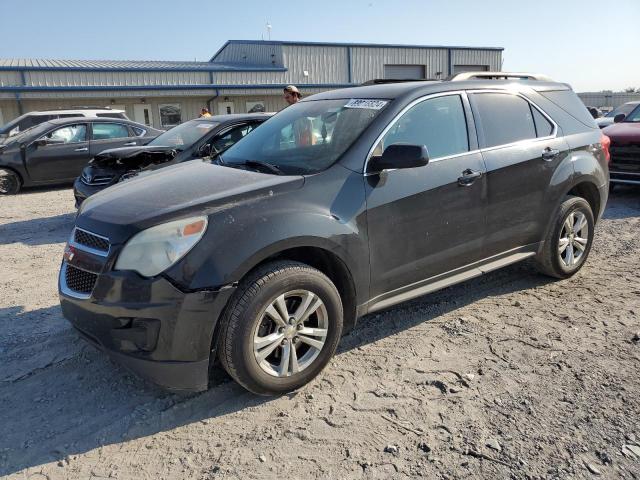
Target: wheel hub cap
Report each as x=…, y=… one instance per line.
x=290, y=333
x=574, y=237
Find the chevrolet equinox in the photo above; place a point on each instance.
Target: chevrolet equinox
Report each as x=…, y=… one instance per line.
x=343, y=204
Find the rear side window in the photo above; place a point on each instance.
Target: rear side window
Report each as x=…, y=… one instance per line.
x=544, y=127
x=110, y=115
x=106, y=131
x=139, y=132
x=570, y=103
x=439, y=123
x=504, y=118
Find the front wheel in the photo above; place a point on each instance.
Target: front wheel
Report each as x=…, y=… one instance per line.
x=9, y=182
x=281, y=328
x=569, y=240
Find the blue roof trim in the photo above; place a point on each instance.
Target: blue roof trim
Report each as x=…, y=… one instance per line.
x=213, y=68
x=110, y=88
x=347, y=44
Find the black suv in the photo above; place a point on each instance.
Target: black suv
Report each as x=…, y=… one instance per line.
x=343, y=204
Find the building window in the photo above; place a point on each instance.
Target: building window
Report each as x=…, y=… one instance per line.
x=404, y=72
x=170, y=114
x=470, y=68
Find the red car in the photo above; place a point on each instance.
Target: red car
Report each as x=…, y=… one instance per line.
x=625, y=149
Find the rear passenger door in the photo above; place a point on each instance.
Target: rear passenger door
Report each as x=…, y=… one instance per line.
x=521, y=151
x=110, y=135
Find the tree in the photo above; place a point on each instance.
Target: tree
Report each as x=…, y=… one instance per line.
x=631, y=90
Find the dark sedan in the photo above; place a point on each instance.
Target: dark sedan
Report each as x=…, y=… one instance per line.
x=193, y=139
x=55, y=152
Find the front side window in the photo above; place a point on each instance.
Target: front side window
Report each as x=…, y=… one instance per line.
x=170, y=114
x=438, y=123
x=307, y=137
x=634, y=116
x=108, y=131
x=232, y=136
x=504, y=118
x=68, y=134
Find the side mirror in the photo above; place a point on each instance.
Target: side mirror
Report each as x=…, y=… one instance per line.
x=204, y=150
x=399, y=155
x=619, y=117
x=41, y=142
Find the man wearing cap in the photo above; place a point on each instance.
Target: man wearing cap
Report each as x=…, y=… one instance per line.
x=302, y=127
x=292, y=94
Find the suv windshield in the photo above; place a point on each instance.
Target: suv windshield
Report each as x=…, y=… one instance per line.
x=306, y=137
x=634, y=116
x=625, y=108
x=183, y=135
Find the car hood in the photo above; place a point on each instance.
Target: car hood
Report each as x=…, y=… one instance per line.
x=133, y=155
x=623, y=132
x=190, y=188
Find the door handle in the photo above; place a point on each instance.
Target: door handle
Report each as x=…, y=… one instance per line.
x=468, y=177
x=81, y=149
x=130, y=144
x=549, y=154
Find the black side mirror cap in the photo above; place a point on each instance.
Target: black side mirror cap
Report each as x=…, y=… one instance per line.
x=204, y=150
x=399, y=155
x=619, y=117
x=41, y=142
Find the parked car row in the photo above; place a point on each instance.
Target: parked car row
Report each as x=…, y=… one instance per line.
x=56, y=151
x=347, y=202
x=97, y=152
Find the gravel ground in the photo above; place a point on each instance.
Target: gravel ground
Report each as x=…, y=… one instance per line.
x=511, y=375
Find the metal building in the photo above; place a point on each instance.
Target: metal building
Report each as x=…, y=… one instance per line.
x=243, y=75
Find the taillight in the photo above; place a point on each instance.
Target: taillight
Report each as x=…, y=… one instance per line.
x=606, y=143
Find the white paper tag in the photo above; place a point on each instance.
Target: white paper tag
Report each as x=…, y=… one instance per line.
x=367, y=103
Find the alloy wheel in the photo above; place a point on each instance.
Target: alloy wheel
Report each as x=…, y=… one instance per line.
x=291, y=333
x=574, y=237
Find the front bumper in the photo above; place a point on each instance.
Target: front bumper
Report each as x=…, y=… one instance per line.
x=148, y=325
x=82, y=191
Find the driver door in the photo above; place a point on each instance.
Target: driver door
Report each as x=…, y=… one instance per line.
x=428, y=220
x=59, y=155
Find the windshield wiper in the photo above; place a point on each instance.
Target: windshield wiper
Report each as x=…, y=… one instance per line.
x=264, y=165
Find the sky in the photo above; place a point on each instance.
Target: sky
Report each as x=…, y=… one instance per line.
x=592, y=44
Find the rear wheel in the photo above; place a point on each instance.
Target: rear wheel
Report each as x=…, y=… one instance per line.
x=281, y=328
x=9, y=182
x=569, y=241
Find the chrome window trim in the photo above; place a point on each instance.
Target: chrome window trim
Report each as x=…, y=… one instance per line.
x=463, y=93
x=460, y=93
x=84, y=248
x=62, y=280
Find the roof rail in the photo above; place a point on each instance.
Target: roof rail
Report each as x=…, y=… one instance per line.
x=383, y=81
x=499, y=76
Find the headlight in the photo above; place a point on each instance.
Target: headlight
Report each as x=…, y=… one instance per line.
x=154, y=250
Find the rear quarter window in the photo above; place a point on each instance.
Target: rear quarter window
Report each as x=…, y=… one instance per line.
x=568, y=101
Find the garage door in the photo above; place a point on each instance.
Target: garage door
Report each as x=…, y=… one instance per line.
x=470, y=68
x=404, y=71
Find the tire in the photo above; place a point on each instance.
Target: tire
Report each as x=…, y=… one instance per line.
x=553, y=261
x=9, y=182
x=254, y=338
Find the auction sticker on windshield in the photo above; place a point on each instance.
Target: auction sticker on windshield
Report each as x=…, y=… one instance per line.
x=366, y=103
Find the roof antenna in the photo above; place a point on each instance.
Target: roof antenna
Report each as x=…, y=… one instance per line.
x=268, y=30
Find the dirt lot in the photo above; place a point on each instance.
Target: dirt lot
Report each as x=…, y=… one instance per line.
x=508, y=376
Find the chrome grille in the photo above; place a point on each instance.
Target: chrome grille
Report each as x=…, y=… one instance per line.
x=95, y=242
x=96, y=180
x=78, y=280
